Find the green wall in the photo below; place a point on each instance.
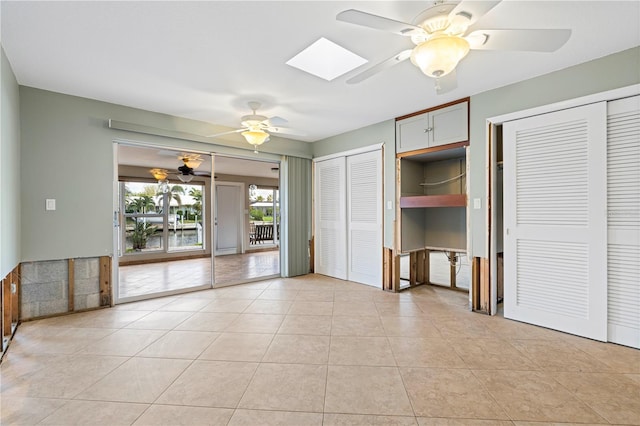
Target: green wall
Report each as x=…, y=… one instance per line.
x=67, y=154
x=610, y=72
x=383, y=132
x=617, y=70
x=9, y=168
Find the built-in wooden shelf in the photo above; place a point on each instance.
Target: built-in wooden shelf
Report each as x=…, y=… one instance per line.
x=436, y=153
x=422, y=201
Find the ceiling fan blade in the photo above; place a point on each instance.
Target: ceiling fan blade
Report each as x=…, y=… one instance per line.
x=365, y=19
x=275, y=122
x=447, y=83
x=405, y=54
x=226, y=133
x=473, y=10
x=525, y=40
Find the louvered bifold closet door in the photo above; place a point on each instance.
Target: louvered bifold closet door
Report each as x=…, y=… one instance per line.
x=364, y=218
x=555, y=225
x=623, y=213
x=330, y=220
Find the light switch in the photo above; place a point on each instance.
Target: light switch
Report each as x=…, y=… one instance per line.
x=50, y=204
x=389, y=205
x=477, y=203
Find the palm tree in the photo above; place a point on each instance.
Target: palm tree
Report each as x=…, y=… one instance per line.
x=140, y=204
x=196, y=194
x=174, y=193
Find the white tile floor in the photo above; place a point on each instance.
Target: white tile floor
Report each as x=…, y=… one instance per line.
x=311, y=351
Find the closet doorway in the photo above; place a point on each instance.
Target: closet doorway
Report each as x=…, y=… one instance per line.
x=571, y=229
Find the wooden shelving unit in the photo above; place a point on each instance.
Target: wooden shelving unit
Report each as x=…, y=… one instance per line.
x=431, y=187
x=428, y=201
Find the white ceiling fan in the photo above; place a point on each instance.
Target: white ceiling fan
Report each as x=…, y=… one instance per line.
x=441, y=39
x=256, y=128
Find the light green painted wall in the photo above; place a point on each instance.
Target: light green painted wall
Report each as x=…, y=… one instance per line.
x=383, y=132
x=9, y=168
x=610, y=72
x=67, y=154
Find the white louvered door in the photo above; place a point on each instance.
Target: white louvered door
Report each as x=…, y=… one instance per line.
x=364, y=218
x=623, y=212
x=330, y=211
x=555, y=255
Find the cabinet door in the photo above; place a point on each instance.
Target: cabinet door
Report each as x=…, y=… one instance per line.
x=412, y=133
x=449, y=125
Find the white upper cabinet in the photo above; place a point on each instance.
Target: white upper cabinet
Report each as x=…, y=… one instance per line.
x=435, y=127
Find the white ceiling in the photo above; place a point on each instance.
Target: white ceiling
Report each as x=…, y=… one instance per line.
x=204, y=60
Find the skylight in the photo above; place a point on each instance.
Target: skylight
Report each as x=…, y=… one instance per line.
x=326, y=60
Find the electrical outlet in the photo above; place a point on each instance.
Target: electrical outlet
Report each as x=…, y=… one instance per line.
x=50, y=204
x=477, y=203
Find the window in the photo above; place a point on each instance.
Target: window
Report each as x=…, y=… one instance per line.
x=161, y=221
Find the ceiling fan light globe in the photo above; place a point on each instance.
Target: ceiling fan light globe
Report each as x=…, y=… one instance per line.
x=255, y=137
x=439, y=55
x=194, y=164
x=185, y=178
x=159, y=174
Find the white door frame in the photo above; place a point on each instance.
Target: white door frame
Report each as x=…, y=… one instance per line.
x=490, y=137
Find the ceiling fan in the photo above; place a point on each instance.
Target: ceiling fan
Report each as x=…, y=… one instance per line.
x=441, y=38
x=186, y=172
x=256, y=128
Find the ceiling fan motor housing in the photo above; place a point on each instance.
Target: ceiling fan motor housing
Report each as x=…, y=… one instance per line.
x=253, y=120
x=185, y=170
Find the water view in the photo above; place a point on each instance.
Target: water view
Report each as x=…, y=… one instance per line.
x=188, y=239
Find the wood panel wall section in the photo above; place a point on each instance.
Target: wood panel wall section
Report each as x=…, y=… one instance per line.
x=481, y=287
x=390, y=270
x=10, y=306
x=105, y=281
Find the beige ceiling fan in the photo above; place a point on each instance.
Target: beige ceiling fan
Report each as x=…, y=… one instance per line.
x=442, y=38
x=256, y=128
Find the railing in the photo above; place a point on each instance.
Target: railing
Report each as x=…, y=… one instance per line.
x=260, y=233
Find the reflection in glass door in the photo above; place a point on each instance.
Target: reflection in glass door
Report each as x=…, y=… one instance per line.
x=161, y=220
x=249, y=228
x=164, y=244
